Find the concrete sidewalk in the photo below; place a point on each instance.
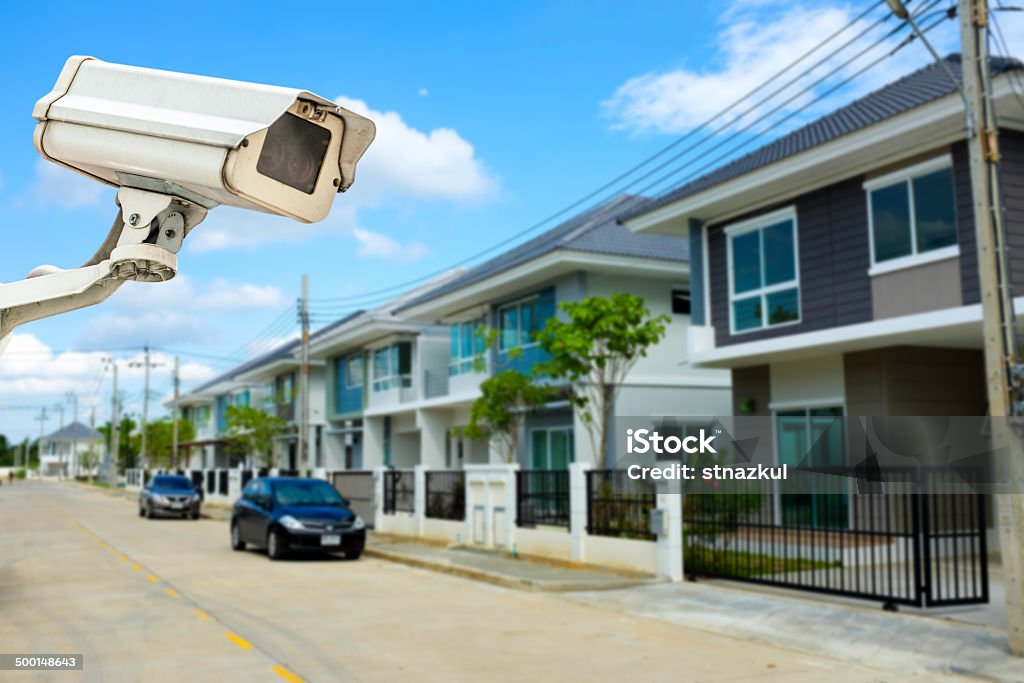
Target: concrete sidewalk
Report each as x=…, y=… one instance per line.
x=500, y=569
x=901, y=643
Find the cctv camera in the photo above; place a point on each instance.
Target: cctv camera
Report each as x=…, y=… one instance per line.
x=175, y=146
x=208, y=141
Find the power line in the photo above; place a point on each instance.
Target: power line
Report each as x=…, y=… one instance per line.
x=618, y=178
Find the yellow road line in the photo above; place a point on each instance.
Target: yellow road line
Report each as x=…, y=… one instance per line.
x=152, y=577
x=285, y=674
x=202, y=615
x=123, y=558
x=137, y=567
x=171, y=592
x=238, y=640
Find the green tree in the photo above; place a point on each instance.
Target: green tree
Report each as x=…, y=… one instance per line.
x=88, y=459
x=160, y=440
x=128, y=446
x=594, y=347
x=252, y=432
x=498, y=414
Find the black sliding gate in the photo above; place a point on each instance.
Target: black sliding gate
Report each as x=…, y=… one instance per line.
x=921, y=544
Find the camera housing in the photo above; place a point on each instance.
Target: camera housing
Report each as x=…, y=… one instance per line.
x=207, y=141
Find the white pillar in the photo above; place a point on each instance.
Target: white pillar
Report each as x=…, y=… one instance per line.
x=578, y=509
x=511, y=504
x=433, y=434
x=420, y=501
x=373, y=442
x=670, y=543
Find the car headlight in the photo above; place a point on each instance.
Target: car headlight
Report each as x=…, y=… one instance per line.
x=290, y=522
x=162, y=500
x=359, y=523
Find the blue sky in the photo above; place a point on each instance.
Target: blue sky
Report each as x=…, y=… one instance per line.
x=490, y=117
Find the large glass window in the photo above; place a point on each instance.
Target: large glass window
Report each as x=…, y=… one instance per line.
x=764, y=287
x=551, y=449
x=518, y=323
x=913, y=214
x=467, y=341
x=392, y=366
x=813, y=438
x=354, y=371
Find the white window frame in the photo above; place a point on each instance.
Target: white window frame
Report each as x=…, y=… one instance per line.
x=915, y=258
x=455, y=363
x=518, y=305
x=394, y=380
x=751, y=225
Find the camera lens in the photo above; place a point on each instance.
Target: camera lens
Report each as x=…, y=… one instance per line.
x=293, y=152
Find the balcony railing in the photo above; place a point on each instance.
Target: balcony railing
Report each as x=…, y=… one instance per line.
x=435, y=383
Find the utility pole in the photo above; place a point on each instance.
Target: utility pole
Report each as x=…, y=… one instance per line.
x=302, y=446
x=998, y=316
x=60, y=456
x=174, y=431
x=143, y=457
x=42, y=427
x=73, y=460
x=115, y=429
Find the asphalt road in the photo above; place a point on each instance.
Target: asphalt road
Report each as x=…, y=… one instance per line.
x=168, y=600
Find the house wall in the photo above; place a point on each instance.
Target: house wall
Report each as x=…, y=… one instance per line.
x=913, y=380
x=833, y=246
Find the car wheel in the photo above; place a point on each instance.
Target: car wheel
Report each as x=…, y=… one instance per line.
x=194, y=515
x=146, y=512
x=142, y=512
x=353, y=555
x=276, y=545
x=236, y=538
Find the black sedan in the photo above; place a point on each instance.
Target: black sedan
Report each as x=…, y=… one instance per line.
x=283, y=514
x=169, y=494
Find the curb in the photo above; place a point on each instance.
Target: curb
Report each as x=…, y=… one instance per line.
x=502, y=580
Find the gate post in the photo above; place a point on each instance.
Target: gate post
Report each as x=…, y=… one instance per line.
x=670, y=537
x=578, y=505
x=419, y=505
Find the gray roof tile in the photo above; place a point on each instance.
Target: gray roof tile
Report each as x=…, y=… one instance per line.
x=594, y=231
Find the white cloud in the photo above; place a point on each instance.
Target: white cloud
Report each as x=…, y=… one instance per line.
x=33, y=375
x=223, y=295
x=422, y=92
x=405, y=161
x=57, y=185
x=377, y=245
x=129, y=329
x=758, y=39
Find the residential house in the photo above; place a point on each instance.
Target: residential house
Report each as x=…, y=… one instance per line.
x=64, y=451
x=377, y=364
x=515, y=294
x=834, y=270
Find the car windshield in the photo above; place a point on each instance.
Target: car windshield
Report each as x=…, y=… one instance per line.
x=301, y=492
x=175, y=483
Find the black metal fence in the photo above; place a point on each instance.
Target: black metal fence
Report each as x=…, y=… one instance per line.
x=918, y=543
x=618, y=506
x=211, y=481
x=399, y=491
x=357, y=487
x=197, y=478
x=542, y=497
x=247, y=476
x=446, y=495
x=222, y=482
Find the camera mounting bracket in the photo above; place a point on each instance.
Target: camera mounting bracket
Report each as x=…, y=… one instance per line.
x=142, y=245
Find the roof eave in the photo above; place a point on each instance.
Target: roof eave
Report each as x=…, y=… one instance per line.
x=929, y=126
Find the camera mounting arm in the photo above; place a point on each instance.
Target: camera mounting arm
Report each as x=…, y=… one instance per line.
x=142, y=245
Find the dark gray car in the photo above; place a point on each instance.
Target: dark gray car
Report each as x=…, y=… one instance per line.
x=169, y=494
